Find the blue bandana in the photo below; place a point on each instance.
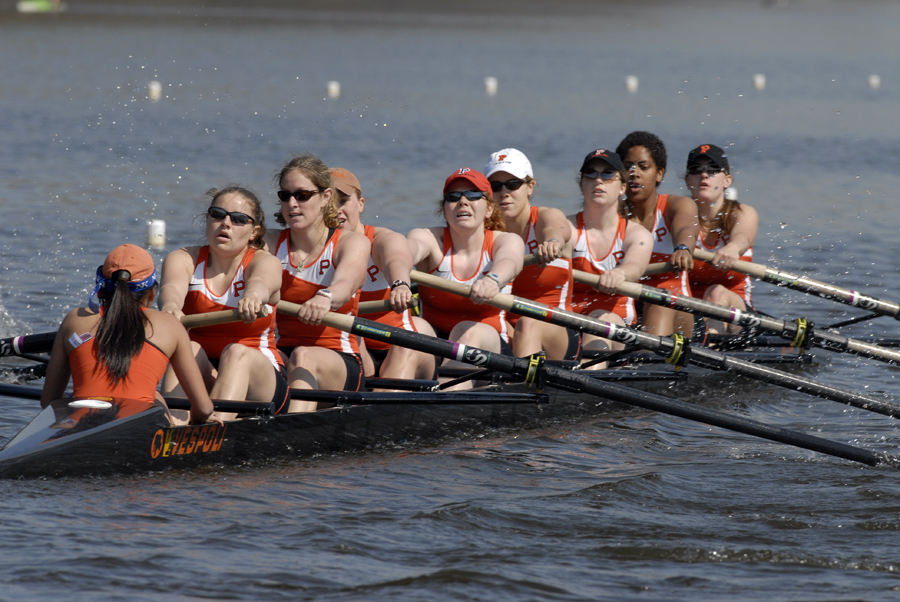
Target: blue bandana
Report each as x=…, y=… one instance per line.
x=106, y=284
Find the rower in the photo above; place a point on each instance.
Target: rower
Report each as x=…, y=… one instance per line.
x=118, y=346
x=546, y=233
x=323, y=268
x=727, y=229
x=471, y=249
x=672, y=221
x=606, y=243
x=387, y=278
x=238, y=361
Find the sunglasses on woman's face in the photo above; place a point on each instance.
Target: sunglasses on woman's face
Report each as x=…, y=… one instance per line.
x=301, y=195
x=696, y=170
x=511, y=185
x=237, y=218
x=606, y=176
x=454, y=197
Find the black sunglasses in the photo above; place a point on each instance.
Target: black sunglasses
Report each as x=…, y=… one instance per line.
x=696, y=170
x=511, y=185
x=301, y=195
x=606, y=176
x=472, y=195
x=238, y=218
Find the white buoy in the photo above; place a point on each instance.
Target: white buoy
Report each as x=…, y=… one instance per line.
x=874, y=81
x=490, y=86
x=631, y=83
x=731, y=193
x=156, y=233
x=334, y=89
x=759, y=81
x=154, y=90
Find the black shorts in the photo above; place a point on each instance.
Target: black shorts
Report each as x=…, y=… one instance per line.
x=573, y=351
x=282, y=392
x=356, y=379
x=378, y=356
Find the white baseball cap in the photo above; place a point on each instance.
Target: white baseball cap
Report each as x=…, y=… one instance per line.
x=511, y=161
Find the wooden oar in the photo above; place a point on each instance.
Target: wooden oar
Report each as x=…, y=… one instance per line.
x=808, y=285
x=43, y=343
x=532, y=370
x=675, y=351
x=800, y=332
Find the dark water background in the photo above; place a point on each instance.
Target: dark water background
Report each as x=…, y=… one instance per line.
x=627, y=506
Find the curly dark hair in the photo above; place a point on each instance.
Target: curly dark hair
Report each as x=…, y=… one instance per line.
x=649, y=141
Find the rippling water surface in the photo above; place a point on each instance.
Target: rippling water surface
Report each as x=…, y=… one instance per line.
x=627, y=505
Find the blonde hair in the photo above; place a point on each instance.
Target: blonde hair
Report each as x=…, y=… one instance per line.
x=318, y=173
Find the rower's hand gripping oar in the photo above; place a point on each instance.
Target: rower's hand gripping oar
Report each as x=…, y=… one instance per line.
x=675, y=349
x=214, y=318
x=533, y=369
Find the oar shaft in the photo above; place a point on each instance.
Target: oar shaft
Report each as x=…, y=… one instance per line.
x=747, y=319
x=31, y=343
x=377, y=307
x=666, y=346
x=808, y=285
x=570, y=381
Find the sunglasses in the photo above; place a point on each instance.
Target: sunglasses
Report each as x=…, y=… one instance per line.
x=606, y=176
x=454, y=197
x=511, y=185
x=237, y=218
x=301, y=195
x=696, y=170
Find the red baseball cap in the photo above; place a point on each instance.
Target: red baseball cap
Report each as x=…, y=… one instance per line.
x=476, y=178
x=136, y=260
x=344, y=180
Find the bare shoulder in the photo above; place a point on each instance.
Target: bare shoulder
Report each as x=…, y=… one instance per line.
x=550, y=214
x=263, y=258
x=185, y=256
x=271, y=239
x=354, y=241
x=636, y=231
x=678, y=203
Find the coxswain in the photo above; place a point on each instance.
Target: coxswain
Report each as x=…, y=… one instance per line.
x=322, y=270
x=727, y=229
x=119, y=347
x=606, y=243
x=672, y=221
x=546, y=233
x=238, y=361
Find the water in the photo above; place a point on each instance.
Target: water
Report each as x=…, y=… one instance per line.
x=626, y=506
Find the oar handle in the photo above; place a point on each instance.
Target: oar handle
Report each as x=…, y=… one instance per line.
x=501, y=300
x=334, y=320
x=30, y=343
x=214, y=318
x=744, y=267
x=377, y=307
x=629, y=289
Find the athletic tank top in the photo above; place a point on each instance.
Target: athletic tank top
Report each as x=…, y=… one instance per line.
x=202, y=299
x=704, y=275
x=298, y=285
x=663, y=247
x=376, y=288
x=90, y=378
x=551, y=285
x=586, y=300
x=446, y=310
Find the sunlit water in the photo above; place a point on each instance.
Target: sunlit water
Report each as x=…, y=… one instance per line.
x=624, y=506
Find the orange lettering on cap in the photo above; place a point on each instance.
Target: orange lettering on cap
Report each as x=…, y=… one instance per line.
x=704, y=149
x=502, y=157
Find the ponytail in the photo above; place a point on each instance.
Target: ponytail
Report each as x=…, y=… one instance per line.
x=120, y=335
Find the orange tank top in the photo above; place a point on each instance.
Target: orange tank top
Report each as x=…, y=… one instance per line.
x=446, y=310
x=704, y=275
x=202, y=299
x=90, y=378
x=551, y=285
x=663, y=247
x=299, y=285
x=587, y=300
x=376, y=288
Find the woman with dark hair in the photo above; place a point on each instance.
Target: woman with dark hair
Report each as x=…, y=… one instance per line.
x=322, y=269
x=471, y=249
x=727, y=228
x=120, y=347
x=546, y=233
x=238, y=361
x=608, y=244
x=672, y=221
